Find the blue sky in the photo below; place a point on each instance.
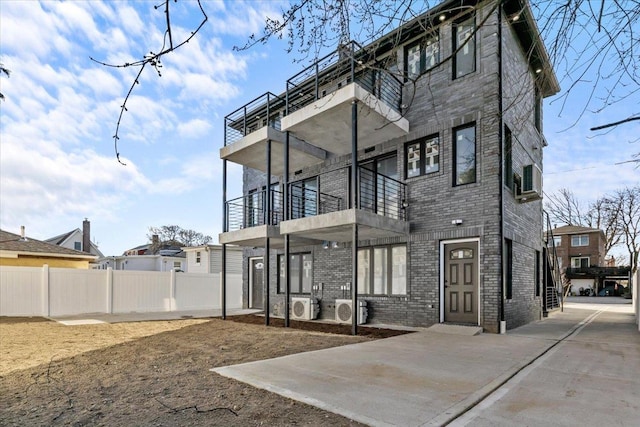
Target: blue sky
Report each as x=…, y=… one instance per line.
x=57, y=161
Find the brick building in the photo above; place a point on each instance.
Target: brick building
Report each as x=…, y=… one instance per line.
x=441, y=220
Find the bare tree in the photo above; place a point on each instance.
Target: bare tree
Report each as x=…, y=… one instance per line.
x=629, y=201
x=7, y=73
x=174, y=235
x=565, y=208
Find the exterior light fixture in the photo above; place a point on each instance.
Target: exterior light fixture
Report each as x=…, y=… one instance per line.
x=515, y=17
x=442, y=17
x=325, y=244
x=538, y=70
x=334, y=245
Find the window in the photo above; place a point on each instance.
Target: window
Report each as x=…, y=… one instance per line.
x=508, y=267
x=300, y=273
x=557, y=241
x=508, y=158
x=536, y=273
x=379, y=190
x=580, y=240
x=177, y=265
x=464, y=153
x=421, y=55
x=198, y=257
x=254, y=208
x=464, y=46
x=537, y=116
x=304, y=198
x=580, y=262
x=77, y=246
x=382, y=270
x=423, y=156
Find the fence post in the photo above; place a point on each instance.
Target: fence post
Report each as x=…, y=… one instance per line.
x=109, y=290
x=172, y=290
x=45, y=290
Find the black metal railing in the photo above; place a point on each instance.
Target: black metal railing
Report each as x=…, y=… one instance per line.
x=595, y=271
x=265, y=110
x=553, y=277
x=251, y=210
x=349, y=63
x=330, y=192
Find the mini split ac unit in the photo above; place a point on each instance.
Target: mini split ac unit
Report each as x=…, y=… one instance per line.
x=531, y=188
x=304, y=308
x=344, y=311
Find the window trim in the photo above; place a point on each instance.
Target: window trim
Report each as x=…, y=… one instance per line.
x=580, y=237
x=389, y=270
x=580, y=257
x=299, y=290
x=422, y=42
x=455, y=154
x=422, y=142
x=454, y=41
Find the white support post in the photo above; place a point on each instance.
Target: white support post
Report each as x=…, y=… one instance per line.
x=109, y=290
x=172, y=290
x=45, y=291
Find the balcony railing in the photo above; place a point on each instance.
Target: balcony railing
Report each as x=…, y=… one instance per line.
x=349, y=63
x=576, y=272
x=329, y=192
x=265, y=110
x=251, y=210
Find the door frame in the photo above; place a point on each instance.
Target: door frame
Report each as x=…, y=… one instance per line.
x=250, y=296
x=443, y=243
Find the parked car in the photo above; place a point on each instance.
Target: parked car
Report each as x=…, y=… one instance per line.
x=610, y=290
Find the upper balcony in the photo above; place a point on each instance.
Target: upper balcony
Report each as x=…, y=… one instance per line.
x=247, y=130
x=320, y=208
x=319, y=99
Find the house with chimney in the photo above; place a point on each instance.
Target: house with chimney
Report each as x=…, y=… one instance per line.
x=19, y=250
x=79, y=240
x=400, y=182
x=152, y=256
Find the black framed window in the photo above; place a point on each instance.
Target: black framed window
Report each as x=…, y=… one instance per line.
x=464, y=155
x=464, y=46
x=422, y=156
x=421, y=55
x=300, y=271
x=536, y=273
x=508, y=158
x=304, y=198
x=382, y=270
x=508, y=267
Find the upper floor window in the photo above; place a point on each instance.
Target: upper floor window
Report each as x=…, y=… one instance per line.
x=508, y=158
x=77, y=246
x=198, y=257
x=464, y=47
x=382, y=270
x=580, y=262
x=423, y=156
x=557, y=240
x=580, y=240
x=537, y=116
x=421, y=55
x=464, y=155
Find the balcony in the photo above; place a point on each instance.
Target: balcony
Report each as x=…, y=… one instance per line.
x=319, y=207
x=248, y=129
x=247, y=223
x=319, y=99
x=598, y=272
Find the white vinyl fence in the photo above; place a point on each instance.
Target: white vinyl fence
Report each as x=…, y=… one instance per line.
x=35, y=291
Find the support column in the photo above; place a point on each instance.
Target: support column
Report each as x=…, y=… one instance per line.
x=223, y=271
x=355, y=310
x=267, y=222
x=285, y=215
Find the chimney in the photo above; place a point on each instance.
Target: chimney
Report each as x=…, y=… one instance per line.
x=86, y=236
x=23, y=237
x=155, y=244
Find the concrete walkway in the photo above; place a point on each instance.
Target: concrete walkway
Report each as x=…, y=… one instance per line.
x=433, y=378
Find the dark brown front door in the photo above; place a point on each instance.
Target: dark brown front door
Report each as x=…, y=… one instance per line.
x=461, y=282
x=256, y=277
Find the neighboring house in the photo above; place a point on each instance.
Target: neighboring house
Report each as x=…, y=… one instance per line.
x=148, y=257
x=22, y=251
x=446, y=222
x=79, y=240
x=208, y=259
x=581, y=255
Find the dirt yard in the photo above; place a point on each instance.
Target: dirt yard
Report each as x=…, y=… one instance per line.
x=154, y=373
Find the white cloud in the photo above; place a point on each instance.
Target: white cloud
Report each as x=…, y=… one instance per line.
x=196, y=128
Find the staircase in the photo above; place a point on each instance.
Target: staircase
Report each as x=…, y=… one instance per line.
x=554, y=280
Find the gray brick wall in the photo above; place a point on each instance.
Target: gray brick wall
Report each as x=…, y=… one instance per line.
x=438, y=105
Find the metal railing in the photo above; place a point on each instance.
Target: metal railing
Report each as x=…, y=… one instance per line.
x=265, y=110
x=349, y=63
x=251, y=210
x=553, y=277
x=330, y=192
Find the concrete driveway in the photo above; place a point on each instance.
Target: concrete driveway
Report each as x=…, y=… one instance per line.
x=553, y=372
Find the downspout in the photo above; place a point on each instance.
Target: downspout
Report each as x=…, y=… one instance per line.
x=503, y=323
